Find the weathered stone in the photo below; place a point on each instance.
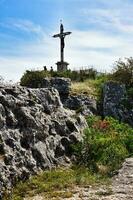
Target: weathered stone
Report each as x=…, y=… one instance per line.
x=81, y=104
x=74, y=137
x=61, y=84
x=2, y=116
x=114, y=102
x=35, y=131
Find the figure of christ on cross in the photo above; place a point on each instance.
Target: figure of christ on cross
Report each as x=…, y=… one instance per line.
x=62, y=35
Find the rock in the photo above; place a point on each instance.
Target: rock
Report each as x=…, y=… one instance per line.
x=61, y=84
x=2, y=116
x=81, y=104
x=36, y=132
x=122, y=185
x=116, y=103
x=113, y=94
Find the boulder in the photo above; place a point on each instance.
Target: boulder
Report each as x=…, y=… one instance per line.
x=61, y=84
x=36, y=132
x=81, y=104
x=116, y=102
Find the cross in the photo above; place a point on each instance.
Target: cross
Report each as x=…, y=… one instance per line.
x=62, y=35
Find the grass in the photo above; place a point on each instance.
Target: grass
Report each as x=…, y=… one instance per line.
x=56, y=183
x=85, y=88
x=90, y=87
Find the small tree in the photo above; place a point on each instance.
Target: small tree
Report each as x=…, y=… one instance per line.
x=33, y=79
x=123, y=72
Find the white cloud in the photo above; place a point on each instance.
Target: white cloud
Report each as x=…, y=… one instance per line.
x=94, y=39
x=28, y=26
x=119, y=18
x=22, y=25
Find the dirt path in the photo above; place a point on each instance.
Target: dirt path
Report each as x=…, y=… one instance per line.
x=121, y=188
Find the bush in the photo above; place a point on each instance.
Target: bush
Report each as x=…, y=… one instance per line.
x=123, y=72
x=33, y=79
x=106, y=143
x=80, y=75
x=130, y=92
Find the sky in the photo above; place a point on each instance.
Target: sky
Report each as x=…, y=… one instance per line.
x=102, y=32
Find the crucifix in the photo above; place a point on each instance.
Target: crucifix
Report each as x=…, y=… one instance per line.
x=61, y=66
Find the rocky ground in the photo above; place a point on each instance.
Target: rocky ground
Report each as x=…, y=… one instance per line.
x=120, y=189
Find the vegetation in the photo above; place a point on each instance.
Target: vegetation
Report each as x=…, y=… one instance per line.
x=80, y=75
x=86, y=82
x=123, y=72
x=35, y=78
x=105, y=145
x=54, y=183
x=130, y=92
x=90, y=87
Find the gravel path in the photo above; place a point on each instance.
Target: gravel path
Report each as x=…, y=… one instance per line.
x=121, y=188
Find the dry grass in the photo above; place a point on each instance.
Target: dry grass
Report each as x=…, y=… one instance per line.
x=85, y=88
x=90, y=87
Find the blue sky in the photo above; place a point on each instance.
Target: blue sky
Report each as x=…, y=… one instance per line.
x=102, y=32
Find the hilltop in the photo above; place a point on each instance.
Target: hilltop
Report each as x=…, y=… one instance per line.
x=85, y=126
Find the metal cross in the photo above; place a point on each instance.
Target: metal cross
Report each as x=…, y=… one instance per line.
x=62, y=35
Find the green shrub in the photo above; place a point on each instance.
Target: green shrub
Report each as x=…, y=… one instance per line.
x=98, y=84
x=106, y=143
x=123, y=72
x=130, y=92
x=34, y=78
x=74, y=75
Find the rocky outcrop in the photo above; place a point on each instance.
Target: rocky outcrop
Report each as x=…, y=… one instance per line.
x=35, y=132
x=61, y=84
x=81, y=104
x=116, y=103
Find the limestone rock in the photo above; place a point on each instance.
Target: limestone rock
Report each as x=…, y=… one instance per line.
x=35, y=132
x=61, y=84
x=82, y=104
x=116, y=103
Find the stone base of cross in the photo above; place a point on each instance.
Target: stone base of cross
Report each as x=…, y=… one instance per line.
x=62, y=66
